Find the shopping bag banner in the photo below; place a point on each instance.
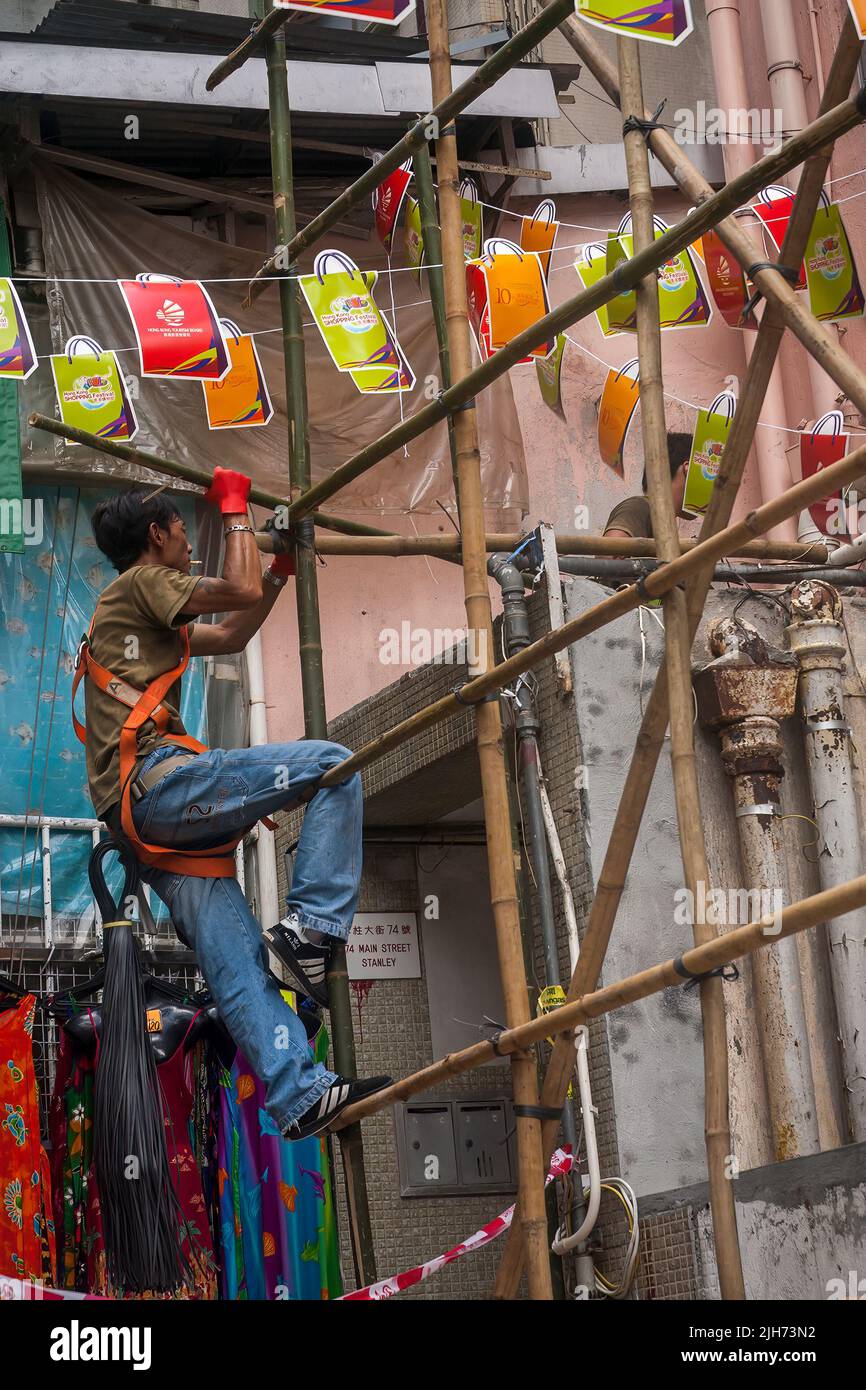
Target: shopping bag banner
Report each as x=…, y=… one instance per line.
x=858, y=14
x=591, y=266
x=727, y=283
x=176, y=328
x=507, y=293
x=621, y=311
x=827, y=443
x=538, y=233
x=340, y=298
x=388, y=200
x=17, y=354
x=831, y=274
x=774, y=206
x=548, y=370
x=472, y=217
x=91, y=393
x=708, y=447
x=379, y=11
x=413, y=236
x=667, y=21
x=619, y=400
x=683, y=302
x=241, y=399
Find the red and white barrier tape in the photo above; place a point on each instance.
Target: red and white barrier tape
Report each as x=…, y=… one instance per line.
x=23, y=1290
x=560, y=1164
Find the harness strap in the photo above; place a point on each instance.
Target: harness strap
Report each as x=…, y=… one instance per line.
x=143, y=706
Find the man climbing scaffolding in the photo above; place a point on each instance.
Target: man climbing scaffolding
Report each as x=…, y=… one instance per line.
x=184, y=807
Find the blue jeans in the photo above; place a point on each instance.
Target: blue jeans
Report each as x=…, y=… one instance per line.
x=211, y=799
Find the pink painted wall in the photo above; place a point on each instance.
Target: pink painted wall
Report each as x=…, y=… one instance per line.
x=360, y=597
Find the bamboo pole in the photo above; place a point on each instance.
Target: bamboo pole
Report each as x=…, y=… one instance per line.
x=448, y=547
x=627, y=275
x=678, y=644
x=651, y=735
x=425, y=129
x=359, y=539
x=267, y=28
x=309, y=627
x=488, y=723
x=712, y=955
x=435, y=279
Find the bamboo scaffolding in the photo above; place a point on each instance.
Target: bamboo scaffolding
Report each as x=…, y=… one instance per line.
x=425, y=129
x=712, y=955
x=678, y=645
x=696, y=566
x=639, y=778
x=627, y=275
x=488, y=719
x=654, y=585
x=359, y=539
x=307, y=603
x=423, y=172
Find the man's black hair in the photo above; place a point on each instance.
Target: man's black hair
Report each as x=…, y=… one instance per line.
x=121, y=524
x=679, y=452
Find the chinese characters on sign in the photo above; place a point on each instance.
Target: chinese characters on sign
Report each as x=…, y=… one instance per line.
x=384, y=946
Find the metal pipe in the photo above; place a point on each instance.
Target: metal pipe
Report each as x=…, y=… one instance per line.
x=817, y=636
x=266, y=852
x=729, y=68
x=427, y=128
x=515, y=624
x=744, y=697
x=631, y=570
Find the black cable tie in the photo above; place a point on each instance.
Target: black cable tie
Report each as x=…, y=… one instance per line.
x=447, y=130
x=494, y=1042
x=537, y=1112
x=641, y=588
x=728, y=973
x=786, y=271
x=644, y=125
x=453, y=409
x=485, y=699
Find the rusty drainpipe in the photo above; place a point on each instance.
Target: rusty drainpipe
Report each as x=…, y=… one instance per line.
x=817, y=637
x=743, y=695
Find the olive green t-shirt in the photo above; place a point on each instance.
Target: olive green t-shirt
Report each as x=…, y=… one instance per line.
x=631, y=516
x=136, y=636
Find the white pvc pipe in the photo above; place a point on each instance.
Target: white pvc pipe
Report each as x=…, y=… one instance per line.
x=563, y=1244
x=561, y=872
x=266, y=853
x=821, y=647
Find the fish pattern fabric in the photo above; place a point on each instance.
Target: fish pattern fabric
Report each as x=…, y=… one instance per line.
x=277, y=1228
x=26, y=1220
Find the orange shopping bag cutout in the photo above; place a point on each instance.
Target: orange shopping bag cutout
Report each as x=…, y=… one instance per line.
x=616, y=410
x=516, y=293
x=538, y=233
x=241, y=399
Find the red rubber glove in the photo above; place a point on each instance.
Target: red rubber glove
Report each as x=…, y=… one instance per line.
x=229, y=491
x=283, y=565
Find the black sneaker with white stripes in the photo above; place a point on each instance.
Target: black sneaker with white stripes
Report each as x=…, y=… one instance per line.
x=295, y=962
x=338, y=1096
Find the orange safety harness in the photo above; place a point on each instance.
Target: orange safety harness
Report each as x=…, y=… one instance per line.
x=143, y=705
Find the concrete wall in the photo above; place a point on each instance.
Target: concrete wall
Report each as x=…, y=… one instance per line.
x=655, y=1046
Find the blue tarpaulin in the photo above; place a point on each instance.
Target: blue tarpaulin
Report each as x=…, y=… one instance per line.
x=47, y=597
